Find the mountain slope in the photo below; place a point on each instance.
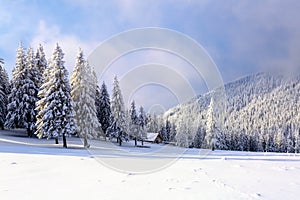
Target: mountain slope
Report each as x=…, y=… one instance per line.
x=260, y=113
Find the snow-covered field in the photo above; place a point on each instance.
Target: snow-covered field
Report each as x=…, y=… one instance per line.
x=39, y=169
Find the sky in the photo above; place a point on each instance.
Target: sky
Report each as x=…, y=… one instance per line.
x=240, y=36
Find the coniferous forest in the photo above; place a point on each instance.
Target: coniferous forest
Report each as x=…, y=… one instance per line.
x=260, y=112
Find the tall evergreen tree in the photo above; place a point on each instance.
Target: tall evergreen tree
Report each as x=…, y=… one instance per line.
x=168, y=130
x=103, y=108
x=30, y=90
x=14, y=117
x=41, y=64
x=142, y=117
x=41, y=103
x=133, y=115
x=210, y=126
x=135, y=129
x=118, y=112
x=83, y=96
x=4, y=91
x=58, y=114
x=21, y=113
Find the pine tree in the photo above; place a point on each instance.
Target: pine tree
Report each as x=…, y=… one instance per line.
x=4, y=91
x=142, y=119
x=30, y=90
x=83, y=96
x=142, y=122
x=103, y=108
x=133, y=115
x=41, y=64
x=21, y=113
x=14, y=117
x=168, y=130
x=133, y=123
x=152, y=124
x=210, y=126
x=41, y=103
x=58, y=114
x=118, y=112
x=173, y=132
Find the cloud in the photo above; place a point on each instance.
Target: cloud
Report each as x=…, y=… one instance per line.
x=265, y=33
x=49, y=35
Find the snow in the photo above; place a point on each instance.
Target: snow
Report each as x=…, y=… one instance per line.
x=39, y=169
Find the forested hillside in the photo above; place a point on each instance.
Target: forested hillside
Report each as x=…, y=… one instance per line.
x=260, y=113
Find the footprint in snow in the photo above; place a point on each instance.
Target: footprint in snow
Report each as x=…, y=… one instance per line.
x=13, y=163
x=256, y=195
x=196, y=170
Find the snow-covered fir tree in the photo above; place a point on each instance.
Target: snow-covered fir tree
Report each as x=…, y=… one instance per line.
x=118, y=113
x=23, y=96
x=4, y=91
x=133, y=114
x=183, y=131
x=152, y=123
x=168, y=130
x=41, y=64
x=211, y=126
x=58, y=113
x=173, y=132
x=41, y=103
x=142, y=118
x=14, y=113
x=142, y=122
x=83, y=95
x=103, y=108
x=134, y=127
x=30, y=90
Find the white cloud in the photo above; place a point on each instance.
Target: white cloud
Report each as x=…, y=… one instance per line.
x=49, y=35
x=268, y=34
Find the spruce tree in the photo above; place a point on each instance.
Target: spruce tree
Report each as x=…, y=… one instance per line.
x=30, y=89
x=210, y=126
x=41, y=103
x=58, y=113
x=133, y=123
x=133, y=115
x=142, y=117
x=168, y=130
x=41, y=64
x=103, y=108
x=118, y=112
x=83, y=95
x=4, y=91
x=14, y=117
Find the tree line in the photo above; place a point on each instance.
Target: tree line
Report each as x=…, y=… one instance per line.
x=43, y=99
x=260, y=113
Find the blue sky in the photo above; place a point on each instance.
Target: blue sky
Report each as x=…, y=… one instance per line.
x=241, y=36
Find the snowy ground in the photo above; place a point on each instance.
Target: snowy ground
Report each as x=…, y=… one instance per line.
x=38, y=169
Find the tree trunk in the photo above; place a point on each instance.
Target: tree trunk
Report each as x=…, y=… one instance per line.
x=120, y=141
x=64, y=141
x=28, y=132
x=56, y=140
x=85, y=143
x=142, y=142
x=135, y=142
